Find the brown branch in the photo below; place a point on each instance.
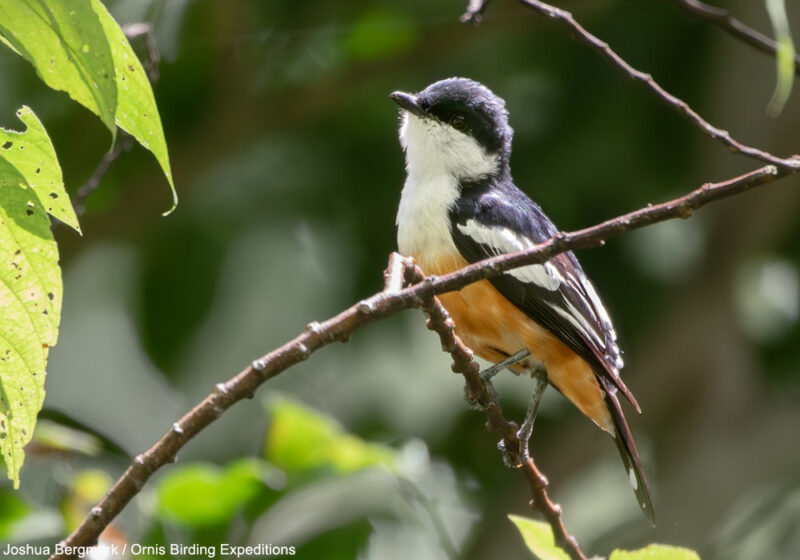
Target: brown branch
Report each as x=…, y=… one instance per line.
x=723, y=19
x=374, y=308
x=475, y=11
x=394, y=275
x=480, y=391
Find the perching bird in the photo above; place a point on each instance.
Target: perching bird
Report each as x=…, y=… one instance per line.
x=459, y=205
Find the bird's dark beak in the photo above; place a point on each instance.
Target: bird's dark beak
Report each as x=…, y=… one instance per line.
x=408, y=102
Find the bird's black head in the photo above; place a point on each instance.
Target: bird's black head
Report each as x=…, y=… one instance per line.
x=464, y=106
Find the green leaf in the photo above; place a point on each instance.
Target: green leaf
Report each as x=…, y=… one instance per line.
x=784, y=59
x=656, y=552
x=201, y=495
x=539, y=538
x=77, y=47
x=34, y=157
x=300, y=439
x=30, y=279
x=30, y=297
x=67, y=46
x=137, y=112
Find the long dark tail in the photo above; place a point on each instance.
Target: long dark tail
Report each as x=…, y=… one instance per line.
x=627, y=450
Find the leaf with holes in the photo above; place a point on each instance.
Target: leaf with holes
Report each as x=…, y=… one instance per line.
x=31, y=185
x=35, y=158
x=30, y=309
x=137, y=113
x=67, y=46
x=77, y=47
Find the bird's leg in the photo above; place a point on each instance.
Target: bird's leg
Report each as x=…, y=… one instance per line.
x=490, y=372
x=525, y=431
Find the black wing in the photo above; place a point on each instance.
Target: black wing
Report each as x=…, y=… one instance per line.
x=489, y=220
x=496, y=218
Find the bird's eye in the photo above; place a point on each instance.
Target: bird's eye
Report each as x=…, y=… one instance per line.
x=458, y=122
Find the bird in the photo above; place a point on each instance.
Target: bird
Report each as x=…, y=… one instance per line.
x=459, y=205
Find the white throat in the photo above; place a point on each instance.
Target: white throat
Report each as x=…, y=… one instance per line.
x=438, y=158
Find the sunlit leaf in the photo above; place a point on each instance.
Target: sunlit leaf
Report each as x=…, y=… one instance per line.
x=538, y=538
x=201, y=495
x=30, y=279
x=77, y=47
x=784, y=59
x=33, y=156
x=67, y=46
x=136, y=112
x=30, y=299
x=656, y=552
x=300, y=439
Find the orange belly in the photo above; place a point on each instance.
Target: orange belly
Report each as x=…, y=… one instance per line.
x=495, y=329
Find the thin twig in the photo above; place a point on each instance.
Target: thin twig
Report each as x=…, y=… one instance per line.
x=394, y=275
x=723, y=19
x=477, y=7
x=369, y=310
x=124, y=144
x=480, y=391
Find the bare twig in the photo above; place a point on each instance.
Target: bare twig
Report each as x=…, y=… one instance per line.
x=477, y=7
x=394, y=275
x=479, y=391
x=369, y=310
x=723, y=19
x=124, y=144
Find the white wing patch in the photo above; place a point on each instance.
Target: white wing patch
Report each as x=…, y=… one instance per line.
x=600, y=314
x=579, y=322
x=502, y=240
x=633, y=481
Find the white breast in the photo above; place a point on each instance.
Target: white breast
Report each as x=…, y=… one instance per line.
x=438, y=157
x=423, y=223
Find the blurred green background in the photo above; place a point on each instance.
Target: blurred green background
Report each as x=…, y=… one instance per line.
x=284, y=147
